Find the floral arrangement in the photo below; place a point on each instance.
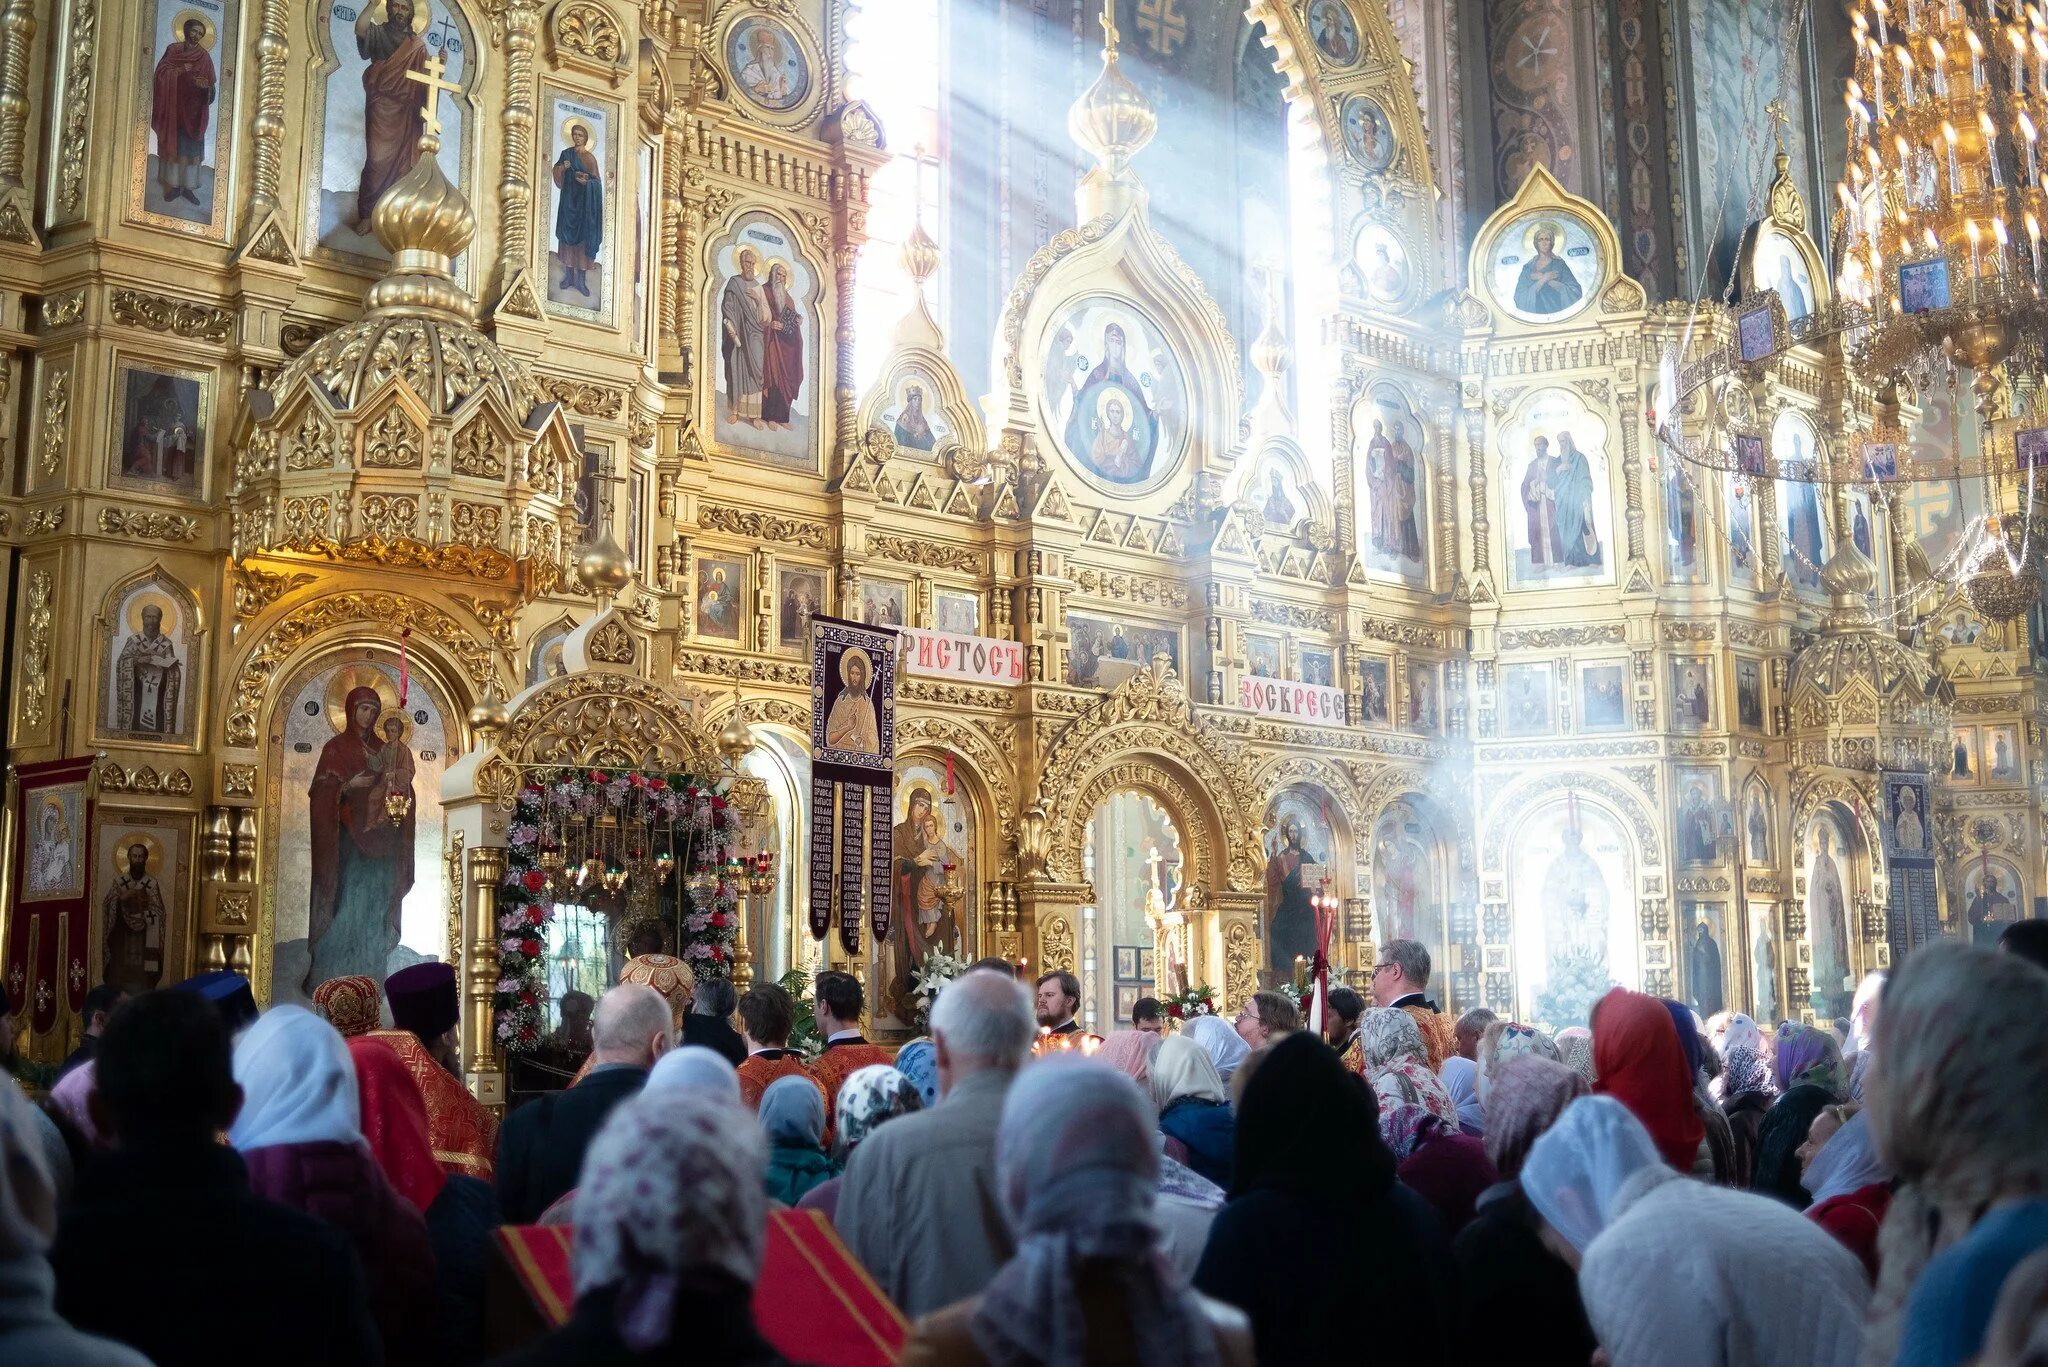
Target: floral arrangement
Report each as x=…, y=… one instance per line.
x=938, y=969
x=1185, y=1006
x=656, y=824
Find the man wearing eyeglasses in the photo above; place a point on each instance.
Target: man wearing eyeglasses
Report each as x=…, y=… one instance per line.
x=1399, y=980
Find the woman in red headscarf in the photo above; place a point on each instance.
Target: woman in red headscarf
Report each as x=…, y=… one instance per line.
x=460, y=1211
x=1640, y=1063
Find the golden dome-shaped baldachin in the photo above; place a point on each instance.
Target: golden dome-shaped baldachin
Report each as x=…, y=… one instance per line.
x=441, y=359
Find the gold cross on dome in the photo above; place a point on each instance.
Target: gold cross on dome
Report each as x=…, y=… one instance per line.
x=1109, y=34
x=432, y=80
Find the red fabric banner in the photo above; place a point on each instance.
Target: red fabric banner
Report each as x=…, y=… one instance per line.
x=50, y=921
x=813, y=1301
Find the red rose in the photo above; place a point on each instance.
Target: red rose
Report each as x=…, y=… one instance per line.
x=527, y=999
x=717, y=803
x=635, y=781
x=597, y=776
x=531, y=948
x=534, y=914
x=534, y=880
x=718, y=921
x=718, y=953
x=659, y=785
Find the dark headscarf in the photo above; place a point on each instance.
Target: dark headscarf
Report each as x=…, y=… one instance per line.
x=1309, y=1125
x=1688, y=1038
x=1778, y=1140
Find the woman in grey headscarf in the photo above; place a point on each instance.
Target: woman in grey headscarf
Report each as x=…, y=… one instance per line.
x=1958, y=1105
x=31, y=1330
x=1077, y=1173
x=670, y=1223
x=793, y=1117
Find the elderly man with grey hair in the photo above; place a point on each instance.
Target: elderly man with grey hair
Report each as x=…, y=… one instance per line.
x=919, y=1205
x=710, y=1020
x=540, y=1146
x=1471, y=1026
x=1400, y=980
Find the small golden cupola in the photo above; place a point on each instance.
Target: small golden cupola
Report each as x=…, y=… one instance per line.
x=408, y=438
x=1112, y=121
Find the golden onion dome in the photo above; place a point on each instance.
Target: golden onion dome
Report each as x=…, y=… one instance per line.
x=421, y=323
x=1112, y=120
x=602, y=566
x=1854, y=648
x=490, y=713
x=735, y=738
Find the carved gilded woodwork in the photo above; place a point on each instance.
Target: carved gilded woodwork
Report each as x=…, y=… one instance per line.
x=606, y=720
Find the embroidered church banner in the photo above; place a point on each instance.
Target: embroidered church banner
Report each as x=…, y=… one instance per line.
x=51, y=918
x=853, y=750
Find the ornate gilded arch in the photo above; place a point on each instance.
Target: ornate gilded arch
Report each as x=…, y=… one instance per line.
x=607, y=720
x=1147, y=732
x=994, y=770
x=1282, y=772
x=1859, y=805
x=1507, y=806
x=273, y=648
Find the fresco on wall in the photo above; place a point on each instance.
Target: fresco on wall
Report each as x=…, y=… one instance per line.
x=1114, y=396
x=1571, y=866
x=359, y=885
x=1558, y=509
x=936, y=884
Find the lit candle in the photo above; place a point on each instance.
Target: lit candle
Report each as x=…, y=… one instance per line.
x=2004, y=241
x=1975, y=237
x=2034, y=246
x=1938, y=72
x=1976, y=59
x=1955, y=165
x=1878, y=8
x=1906, y=77
x=2027, y=131
x=1990, y=132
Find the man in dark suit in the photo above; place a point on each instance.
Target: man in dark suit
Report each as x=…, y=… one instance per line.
x=99, y=1004
x=710, y=1020
x=540, y=1147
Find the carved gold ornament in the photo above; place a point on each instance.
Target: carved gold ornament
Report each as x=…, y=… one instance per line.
x=149, y=526
x=179, y=317
x=35, y=650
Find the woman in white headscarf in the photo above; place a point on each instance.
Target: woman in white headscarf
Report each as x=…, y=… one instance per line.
x=300, y=1133
x=671, y=1220
x=1077, y=1172
x=1849, y=1183
x=31, y=1330
x=694, y=1070
x=1856, y=1052
x=1225, y=1048
x=1958, y=1106
x=1194, y=1113
x=1669, y=1269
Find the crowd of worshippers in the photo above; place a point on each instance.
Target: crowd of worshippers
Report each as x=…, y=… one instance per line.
x=209, y=1184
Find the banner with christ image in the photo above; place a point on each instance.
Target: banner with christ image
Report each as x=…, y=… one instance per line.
x=853, y=751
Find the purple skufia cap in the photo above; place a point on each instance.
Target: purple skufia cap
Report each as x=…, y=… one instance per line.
x=423, y=999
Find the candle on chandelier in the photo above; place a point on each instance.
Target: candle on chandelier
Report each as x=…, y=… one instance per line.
x=1976, y=59
x=1990, y=132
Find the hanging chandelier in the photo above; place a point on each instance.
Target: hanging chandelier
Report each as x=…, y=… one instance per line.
x=1941, y=286
x=1943, y=205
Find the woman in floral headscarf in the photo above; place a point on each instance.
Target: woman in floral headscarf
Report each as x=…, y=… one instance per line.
x=1506, y=1040
x=1747, y=1094
x=868, y=1097
x=1397, y=1064
x=671, y=1217
x=1810, y=1071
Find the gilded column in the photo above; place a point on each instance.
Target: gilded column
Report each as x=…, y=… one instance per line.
x=1632, y=472
x=262, y=235
x=1343, y=398
x=17, y=33
x=1475, y=480
x=515, y=186
x=1446, y=495
x=483, y=1061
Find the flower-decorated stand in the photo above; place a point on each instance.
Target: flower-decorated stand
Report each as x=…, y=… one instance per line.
x=595, y=788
